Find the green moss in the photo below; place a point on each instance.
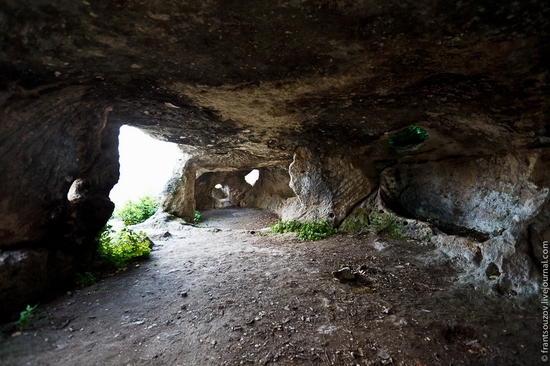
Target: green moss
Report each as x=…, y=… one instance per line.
x=379, y=222
x=356, y=222
x=386, y=223
x=408, y=138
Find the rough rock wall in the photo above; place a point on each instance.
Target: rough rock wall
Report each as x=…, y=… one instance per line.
x=491, y=214
x=206, y=195
x=178, y=197
x=233, y=191
x=43, y=152
x=271, y=191
x=46, y=145
x=326, y=186
x=268, y=193
x=482, y=194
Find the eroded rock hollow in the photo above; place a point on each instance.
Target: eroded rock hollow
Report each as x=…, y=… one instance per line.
x=308, y=92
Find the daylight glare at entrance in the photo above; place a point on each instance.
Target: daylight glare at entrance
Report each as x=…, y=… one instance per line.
x=146, y=164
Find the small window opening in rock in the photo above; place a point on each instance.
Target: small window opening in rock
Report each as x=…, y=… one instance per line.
x=75, y=192
x=146, y=165
x=408, y=138
x=252, y=177
x=492, y=271
x=478, y=257
x=218, y=186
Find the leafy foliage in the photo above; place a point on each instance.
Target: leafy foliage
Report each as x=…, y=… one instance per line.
x=315, y=230
x=133, y=213
x=382, y=222
x=311, y=230
x=285, y=226
x=197, y=217
x=83, y=280
x=408, y=138
x=25, y=317
x=123, y=246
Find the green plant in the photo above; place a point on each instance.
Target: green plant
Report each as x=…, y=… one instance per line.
x=25, y=317
x=123, y=246
x=133, y=213
x=408, y=138
x=385, y=223
x=311, y=230
x=286, y=227
x=84, y=280
x=315, y=230
x=197, y=217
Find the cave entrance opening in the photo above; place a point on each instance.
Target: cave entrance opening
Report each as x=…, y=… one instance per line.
x=265, y=188
x=146, y=165
x=245, y=199
x=252, y=177
x=226, y=189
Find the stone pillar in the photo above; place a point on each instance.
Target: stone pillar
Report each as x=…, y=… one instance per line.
x=327, y=187
x=188, y=205
x=179, y=193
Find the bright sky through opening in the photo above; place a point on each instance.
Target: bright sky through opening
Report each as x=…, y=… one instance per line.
x=146, y=165
x=252, y=177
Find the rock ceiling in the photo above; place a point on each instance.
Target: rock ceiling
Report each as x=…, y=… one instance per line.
x=262, y=77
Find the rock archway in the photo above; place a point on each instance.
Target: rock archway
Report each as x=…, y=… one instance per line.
x=230, y=189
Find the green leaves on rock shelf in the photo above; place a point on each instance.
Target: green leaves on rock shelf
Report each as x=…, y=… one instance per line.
x=311, y=230
x=408, y=138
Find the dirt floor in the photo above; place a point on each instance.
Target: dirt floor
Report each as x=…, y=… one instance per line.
x=227, y=293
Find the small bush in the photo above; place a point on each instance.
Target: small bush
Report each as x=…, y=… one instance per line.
x=285, y=227
x=133, y=213
x=25, y=317
x=123, y=246
x=312, y=230
x=197, y=217
x=84, y=280
x=315, y=230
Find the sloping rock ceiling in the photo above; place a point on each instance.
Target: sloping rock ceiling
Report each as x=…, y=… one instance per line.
x=319, y=84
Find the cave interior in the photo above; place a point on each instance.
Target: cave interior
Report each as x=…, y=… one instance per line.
x=433, y=111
